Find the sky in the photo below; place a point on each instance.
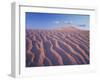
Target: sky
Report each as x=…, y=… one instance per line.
x=54, y=21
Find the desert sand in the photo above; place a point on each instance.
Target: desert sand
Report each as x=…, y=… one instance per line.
x=66, y=46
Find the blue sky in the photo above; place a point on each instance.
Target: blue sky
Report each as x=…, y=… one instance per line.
x=54, y=21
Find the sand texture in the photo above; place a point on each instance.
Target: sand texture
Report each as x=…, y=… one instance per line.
x=68, y=46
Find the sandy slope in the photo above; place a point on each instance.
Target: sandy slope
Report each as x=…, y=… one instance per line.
x=68, y=46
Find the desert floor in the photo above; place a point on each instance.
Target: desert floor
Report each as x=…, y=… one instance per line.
x=69, y=46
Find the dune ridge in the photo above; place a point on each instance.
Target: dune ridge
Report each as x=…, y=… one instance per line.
x=68, y=46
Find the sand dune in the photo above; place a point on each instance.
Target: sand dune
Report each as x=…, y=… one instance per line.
x=68, y=46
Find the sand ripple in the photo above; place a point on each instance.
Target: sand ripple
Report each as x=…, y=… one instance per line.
x=57, y=47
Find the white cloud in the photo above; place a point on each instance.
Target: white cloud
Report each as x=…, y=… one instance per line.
x=68, y=22
x=56, y=22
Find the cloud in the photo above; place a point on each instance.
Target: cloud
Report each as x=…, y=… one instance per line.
x=56, y=22
x=68, y=22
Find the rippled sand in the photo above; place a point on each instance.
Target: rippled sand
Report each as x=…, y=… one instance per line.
x=68, y=46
